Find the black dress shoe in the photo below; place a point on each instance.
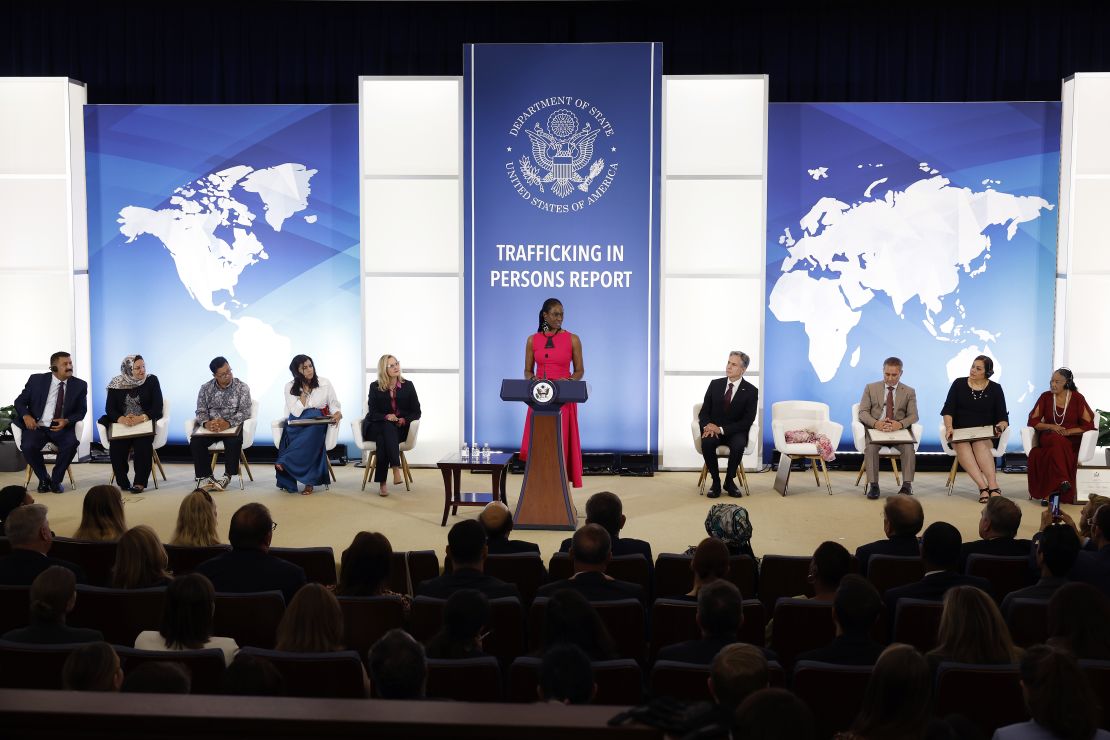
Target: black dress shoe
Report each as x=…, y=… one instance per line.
x=714, y=492
x=732, y=490
x=872, y=491
x=57, y=487
x=906, y=489
x=44, y=487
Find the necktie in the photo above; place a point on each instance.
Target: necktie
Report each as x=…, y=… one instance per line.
x=61, y=401
x=728, y=396
x=890, y=402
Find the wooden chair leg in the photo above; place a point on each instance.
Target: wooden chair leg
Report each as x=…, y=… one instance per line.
x=366, y=471
x=859, y=475
x=897, y=477
x=825, y=470
x=331, y=472
x=28, y=481
x=158, y=463
x=813, y=464
x=212, y=463
x=743, y=479
x=701, y=479
x=405, y=472
x=951, y=483
x=245, y=464
x=69, y=474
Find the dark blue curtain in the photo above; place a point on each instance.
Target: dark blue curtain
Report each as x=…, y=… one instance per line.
x=312, y=52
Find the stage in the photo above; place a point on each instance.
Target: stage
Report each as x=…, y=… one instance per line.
x=665, y=510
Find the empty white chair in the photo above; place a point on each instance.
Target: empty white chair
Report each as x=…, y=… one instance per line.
x=998, y=452
x=369, y=449
x=810, y=415
x=859, y=438
x=249, y=426
x=722, y=451
x=331, y=438
x=49, y=451
x=161, y=433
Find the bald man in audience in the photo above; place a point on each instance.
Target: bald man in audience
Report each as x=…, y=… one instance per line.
x=903, y=518
x=497, y=520
x=590, y=551
x=605, y=508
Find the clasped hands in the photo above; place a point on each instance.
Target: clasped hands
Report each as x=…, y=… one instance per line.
x=888, y=425
x=131, y=420
x=399, y=421
x=711, y=430
x=55, y=424
x=216, y=425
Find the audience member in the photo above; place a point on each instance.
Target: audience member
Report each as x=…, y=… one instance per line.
x=1055, y=551
x=196, y=521
x=158, y=677
x=719, y=617
x=1059, y=697
x=187, y=620
x=249, y=567
x=497, y=521
x=896, y=704
x=605, y=509
x=102, y=517
x=252, y=675
x=773, y=714
x=313, y=622
x=1093, y=566
x=466, y=546
x=30, y=538
x=566, y=676
x=1086, y=515
x=998, y=527
x=53, y=596
x=903, y=518
x=11, y=498
x=710, y=563
x=856, y=609
x=731, y=524
x=570, y=619
x=940, y=553
x=591, y=552
x=397, y=666
x=831, y=561
x=1078, y=618
x=464, y=615
x=141, y=561
x=92, y=667
x=737, y=671
x=972, y=631
x=364, y=567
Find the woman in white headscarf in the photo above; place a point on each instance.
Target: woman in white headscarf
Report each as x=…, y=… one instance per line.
x=133, y=398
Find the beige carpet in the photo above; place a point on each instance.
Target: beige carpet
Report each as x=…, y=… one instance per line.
x=665, y=510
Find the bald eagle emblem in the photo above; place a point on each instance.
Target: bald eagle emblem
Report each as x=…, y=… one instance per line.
x=561, y=150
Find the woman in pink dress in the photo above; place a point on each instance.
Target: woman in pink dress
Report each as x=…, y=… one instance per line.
x=549, y=353
x=1060, y=418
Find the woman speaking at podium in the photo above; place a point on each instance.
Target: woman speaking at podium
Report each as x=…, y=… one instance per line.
x=549, y=353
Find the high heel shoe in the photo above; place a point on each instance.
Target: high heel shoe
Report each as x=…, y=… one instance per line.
x=984, y=495
x=994, y=492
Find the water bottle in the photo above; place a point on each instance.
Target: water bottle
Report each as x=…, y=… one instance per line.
x=475, y=453
x=464, y=451
x=485, y=451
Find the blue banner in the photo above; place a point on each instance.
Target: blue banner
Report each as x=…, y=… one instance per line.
x=562, y=166
x=225, y=230
x=922, y=231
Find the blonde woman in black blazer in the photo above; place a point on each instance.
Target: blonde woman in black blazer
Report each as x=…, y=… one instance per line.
x=392, y=406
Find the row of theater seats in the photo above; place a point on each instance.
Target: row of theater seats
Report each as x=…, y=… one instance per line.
x=775, y=577
x=990, y=696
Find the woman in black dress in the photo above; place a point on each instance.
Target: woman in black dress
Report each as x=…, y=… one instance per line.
x=133, y=398
x=976, y=401
x=391, y=406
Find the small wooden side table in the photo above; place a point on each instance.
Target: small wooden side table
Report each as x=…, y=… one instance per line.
x=452, y=468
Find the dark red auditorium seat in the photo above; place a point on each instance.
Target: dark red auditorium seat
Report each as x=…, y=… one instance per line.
x=890, y=571
x=783, y=576
x=916, y=622
x=467, y=679
x=185, y=560
x=988, y=695
x=619, y=682
x=366, y=618
x=95, y=558
x=800, y=625
x=249, y=619
x=337, y=675
x=834, y=693
x=205, y=667
x=318, y=562
x=1005, y=573
x=1028, y=622
x=120, y=614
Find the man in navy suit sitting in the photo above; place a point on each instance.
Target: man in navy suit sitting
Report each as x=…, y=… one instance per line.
x=726, y=417
x=47, y=410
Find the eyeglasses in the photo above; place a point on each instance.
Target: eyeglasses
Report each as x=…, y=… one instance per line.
x=273, y=527
x=393, y=365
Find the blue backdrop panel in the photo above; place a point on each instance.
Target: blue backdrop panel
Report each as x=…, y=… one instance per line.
x=924, y=231
x=562, y=200
x=225, y=230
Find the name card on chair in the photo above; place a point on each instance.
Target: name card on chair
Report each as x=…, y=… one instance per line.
x=122, y=431
x=971, y=434
x=897, y=437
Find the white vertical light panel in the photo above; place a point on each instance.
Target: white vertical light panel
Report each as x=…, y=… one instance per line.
x=714, y=225
x=44, y=250
x=1082, y=340
x=410, y=149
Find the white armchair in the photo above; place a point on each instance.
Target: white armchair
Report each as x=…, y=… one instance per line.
x=812, y=415
x=999, y=451
x=369, y=450
x=49, y=450
x=722, y=451
x=1088, y=448
x=859, y=438
x=331, y=438
x=249, y=427
x=161, y=433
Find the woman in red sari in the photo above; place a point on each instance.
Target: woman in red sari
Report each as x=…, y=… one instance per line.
x=1060, y=418
x=551, y=353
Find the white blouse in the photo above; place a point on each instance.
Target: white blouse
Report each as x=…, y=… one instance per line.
x=321, y=396
x=152, y=640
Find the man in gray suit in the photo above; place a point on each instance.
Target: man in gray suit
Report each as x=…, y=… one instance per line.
x=887, y=406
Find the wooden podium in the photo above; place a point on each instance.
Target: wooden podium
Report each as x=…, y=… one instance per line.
x=545, y=501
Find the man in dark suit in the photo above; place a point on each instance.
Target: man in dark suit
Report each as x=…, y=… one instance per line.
x=29, y=535
x=466, y=546
x=1093, y=566
x=856, y=609
x=720, y=616
x=497, y=521
x=940, y=554
x=604, y=508
x=591, y=551
x=53, y=596
x=248, y=566
x=903, y=518
x=47, y=410
x=998, y=526
x=1055, y=550
x=726, y=418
